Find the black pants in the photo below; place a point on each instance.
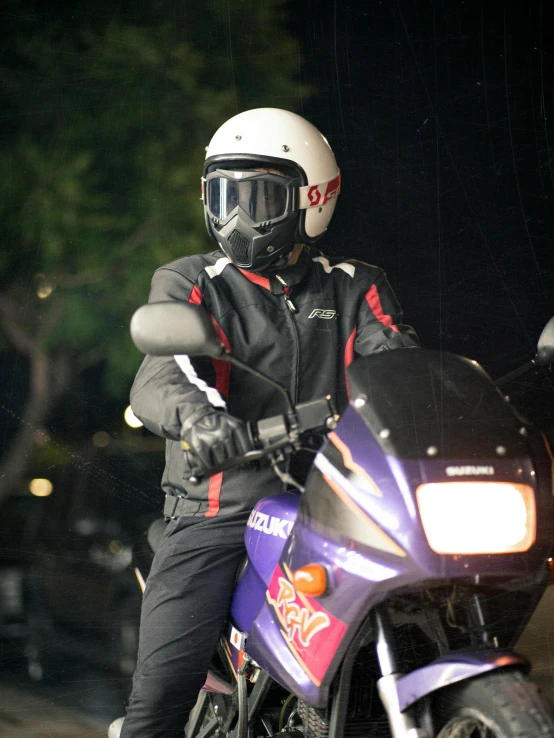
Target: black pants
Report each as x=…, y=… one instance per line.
x=186, y=602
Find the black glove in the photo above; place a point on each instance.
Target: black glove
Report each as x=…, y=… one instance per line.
x=210, y=437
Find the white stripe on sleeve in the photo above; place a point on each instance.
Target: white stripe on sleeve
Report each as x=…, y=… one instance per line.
x=212, y=394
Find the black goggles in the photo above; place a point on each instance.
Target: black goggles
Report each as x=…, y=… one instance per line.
x=264, y=197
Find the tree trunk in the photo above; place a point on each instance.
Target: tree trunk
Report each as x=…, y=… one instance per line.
x=47, y=383
x=37, y=405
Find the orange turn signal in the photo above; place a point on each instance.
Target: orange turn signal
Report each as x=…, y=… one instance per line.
x=310, y=579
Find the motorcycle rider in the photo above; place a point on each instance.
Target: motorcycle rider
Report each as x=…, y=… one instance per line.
x=269, y=188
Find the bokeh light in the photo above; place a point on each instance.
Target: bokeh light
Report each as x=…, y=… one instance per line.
x=44, y=286
x=101, y=439
x=41, y=487
x=131, y=419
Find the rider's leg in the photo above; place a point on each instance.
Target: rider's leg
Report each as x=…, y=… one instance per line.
x=187, y=598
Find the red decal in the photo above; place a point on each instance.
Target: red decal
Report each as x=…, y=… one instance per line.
x=298, y=620
x=332, y=190
x=312, y=634
x=314, y=195
x=374, y=303
x=195, y=296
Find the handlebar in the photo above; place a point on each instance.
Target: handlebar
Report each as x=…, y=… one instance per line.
x=283, y=432
x=246, y=458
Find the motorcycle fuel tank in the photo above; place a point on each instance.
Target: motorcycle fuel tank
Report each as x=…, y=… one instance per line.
x=267, y=531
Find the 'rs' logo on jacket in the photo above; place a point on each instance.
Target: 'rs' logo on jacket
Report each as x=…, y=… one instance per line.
x=325, y=314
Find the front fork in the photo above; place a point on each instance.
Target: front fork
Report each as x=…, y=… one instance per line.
x=400, y=692
x=402, y=724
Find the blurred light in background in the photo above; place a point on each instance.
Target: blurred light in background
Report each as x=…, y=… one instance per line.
x=131, y=419
x=41, y=487
x=44, y=287
x=101, y=439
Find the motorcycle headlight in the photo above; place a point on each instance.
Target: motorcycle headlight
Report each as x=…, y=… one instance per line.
x=477, y=517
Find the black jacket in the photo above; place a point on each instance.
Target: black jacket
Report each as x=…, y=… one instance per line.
x=303, y=334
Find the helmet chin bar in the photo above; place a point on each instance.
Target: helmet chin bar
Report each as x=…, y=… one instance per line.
x=248, y=248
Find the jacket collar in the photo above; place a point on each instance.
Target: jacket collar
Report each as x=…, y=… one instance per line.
x=291, y=275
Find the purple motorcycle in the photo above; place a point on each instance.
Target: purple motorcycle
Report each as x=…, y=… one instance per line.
x=384, y=598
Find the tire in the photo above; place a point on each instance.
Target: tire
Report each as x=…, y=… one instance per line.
x=315, y=725
x=503, y=704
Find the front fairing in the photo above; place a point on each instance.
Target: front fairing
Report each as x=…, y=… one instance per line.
x=362, y=573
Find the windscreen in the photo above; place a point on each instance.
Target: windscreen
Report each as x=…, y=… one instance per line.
x=418, y=399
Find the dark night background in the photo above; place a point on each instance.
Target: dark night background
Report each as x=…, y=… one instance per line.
x=441, y=116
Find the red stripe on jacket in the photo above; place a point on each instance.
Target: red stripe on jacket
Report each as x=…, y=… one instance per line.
x=256, y=279
x=222, y=380
x=222, y=368
x=195, y=296
x=214, y=491
x=374, y=303
x=349, y=357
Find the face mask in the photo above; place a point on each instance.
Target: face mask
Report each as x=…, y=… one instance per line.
x=253, y=215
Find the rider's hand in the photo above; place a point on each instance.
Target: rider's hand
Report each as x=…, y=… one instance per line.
x=211, y=437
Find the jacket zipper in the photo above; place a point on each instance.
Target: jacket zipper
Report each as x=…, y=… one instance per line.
x=290, y=320
x=288, y=302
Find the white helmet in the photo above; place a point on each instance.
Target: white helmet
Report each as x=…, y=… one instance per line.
x=270, y=180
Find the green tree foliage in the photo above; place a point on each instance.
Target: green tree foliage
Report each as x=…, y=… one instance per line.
x=107, y=113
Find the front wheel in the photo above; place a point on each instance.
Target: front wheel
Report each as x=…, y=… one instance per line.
x=504, y=704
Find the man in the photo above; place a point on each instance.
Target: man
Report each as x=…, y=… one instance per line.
x=269, y=187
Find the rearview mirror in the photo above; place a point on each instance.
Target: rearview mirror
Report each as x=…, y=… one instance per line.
x=173, y=328
x=545, y=347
